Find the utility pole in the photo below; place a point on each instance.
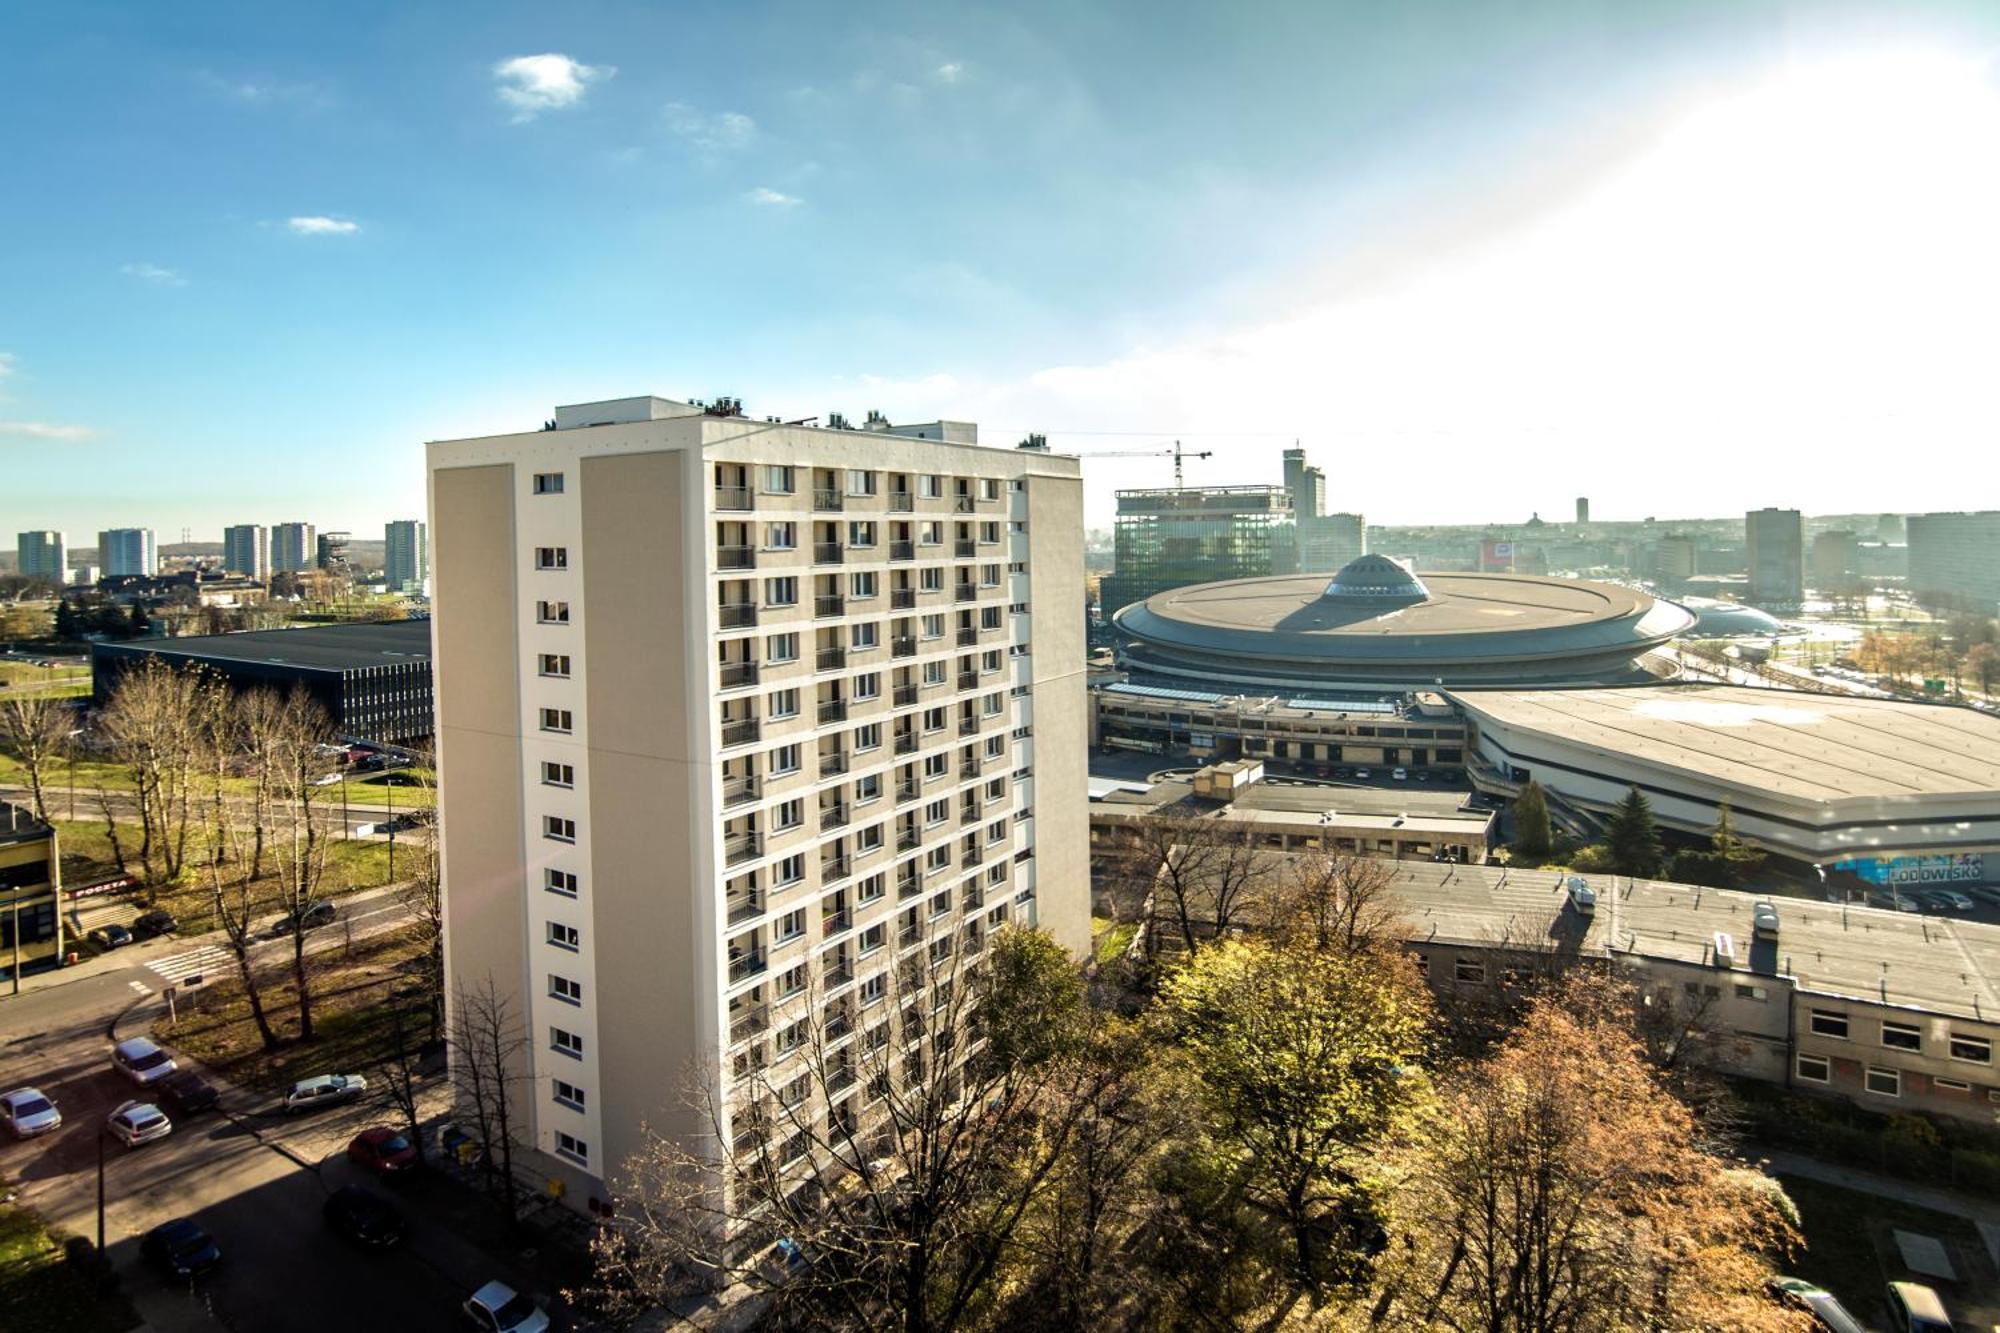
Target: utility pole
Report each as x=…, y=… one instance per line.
x=100, y=1192
x=390, y=787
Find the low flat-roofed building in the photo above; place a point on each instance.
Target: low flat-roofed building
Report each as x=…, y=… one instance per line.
x=1307, y=733
x=31, y=927
x=1877, y=786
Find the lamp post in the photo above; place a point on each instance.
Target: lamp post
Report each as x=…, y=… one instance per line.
x=390, y=787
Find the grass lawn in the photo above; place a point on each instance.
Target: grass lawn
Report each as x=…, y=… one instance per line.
x=42, y=1292
x=15, y=672
x=1849, y=1250
x=359, y=998
x=1109, y=939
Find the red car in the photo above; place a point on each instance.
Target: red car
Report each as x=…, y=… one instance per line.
x=385, y=1151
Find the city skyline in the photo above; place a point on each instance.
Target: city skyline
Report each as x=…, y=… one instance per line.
x=1409, y=255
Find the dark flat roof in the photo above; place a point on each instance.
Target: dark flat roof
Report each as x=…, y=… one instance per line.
x=313, y=648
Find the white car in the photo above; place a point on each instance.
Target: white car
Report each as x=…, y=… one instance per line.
x=1582, y=897
x=1400, y=774
x=498, y=1308
x=135, y=1123
x=142, y=1061
x=325, y=1090
x=28, y=1113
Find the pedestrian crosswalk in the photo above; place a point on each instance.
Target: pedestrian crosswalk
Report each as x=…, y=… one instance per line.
x=205, y=962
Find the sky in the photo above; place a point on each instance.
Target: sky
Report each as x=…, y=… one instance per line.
x=1477, y=258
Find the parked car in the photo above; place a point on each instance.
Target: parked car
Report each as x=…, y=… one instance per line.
x=134, y=1123
x=498, y=1308
x=110, y=937
x=28, y=1112
x=1948, y=900
x=1818, y=1302
x=1361, y=773
x=186, y=1094
x=364, y=1218
x=153, y=924
x=181, y=1249
x=1582, y=898
x=314, y=915
x=1915, y=1308
x=142, y=1061
x=385, y=1151
x=309, y=1094
x=1400, y=774
x=1764, y=920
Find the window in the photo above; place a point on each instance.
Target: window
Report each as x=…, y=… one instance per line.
x=930, y=486
x=781, y=536
x=572, y=1147
x=559, y=881
x=1828, y=1023
x=568, y=1094
x=1744, y=992
x=867, y=789
x=1814, y=1068
x=1902, y=1037
x=548, y=483
x=778, y=479
x=867, y=685
x=781, y=592
x=989, y=533
x=781, y=648
x=789, y=814
x=784, y=703
x=873, y=938
x=873, y=989
x=936, y=765
x=556, y=719
x=791, y=925
x=785, y=759
x=932, y=627
x=935, y=719
x=1883, y=1082
x=934, y=673
x=558, y=829
x=930, y=579
x=555, y=664
x=1469, y=970
x=552, y=613
x=860, y=532
x=562, y=988
x=871, y=888
x=1951, y=1085
x=938, y=811
x=868, y=737
x=565, y=1042
x=937, y=858
x=558, y=775
x=989, y=488
x=862, y=584
x=565, y=937
x=790, y=870
x=860, y=482
x=552, y=557
x=792, y=982
x=1977, y=1050
x=866, y=635
x=793, y=1035
x=869, y=839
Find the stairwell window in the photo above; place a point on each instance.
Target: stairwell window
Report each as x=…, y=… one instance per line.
x=564, y=1042
x=562, y=988
x=559, y=881
x=551, y=557
x=552, y=613
x=565, y=937
x=557, y=829
x=548, y=483
x=555, y=665
x=568, y=1094
x=557, y=720
x=575, y=1149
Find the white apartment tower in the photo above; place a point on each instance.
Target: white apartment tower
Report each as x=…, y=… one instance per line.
x=124, y=551
x=43, y=554
x=723, y=704
x=246, y=550
x=294, y=548
x=406, y=554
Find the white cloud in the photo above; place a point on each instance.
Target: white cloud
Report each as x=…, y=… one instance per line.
x=44, y=430
x=767, y=197
x=547, y=82
x=322, y=226
x=154, y=274
x=261, y=91
x=719, y=132
x=949, y=72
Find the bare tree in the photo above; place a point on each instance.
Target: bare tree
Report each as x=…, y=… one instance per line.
x=396, y=1070
x=1338, y=903
x=158, y=722
x=233, y=895
x=488, y=1050
x=35, y=728
x=1199, y=873
x=302, y=843
x=423, y=897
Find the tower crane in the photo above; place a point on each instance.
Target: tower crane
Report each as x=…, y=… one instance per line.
x=1177, y=453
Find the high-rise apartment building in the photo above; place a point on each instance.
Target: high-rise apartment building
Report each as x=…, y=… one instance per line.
x=1955, y=560
x=1776, y=541
x=1321, y=542
x=1836, y=556
x=124, y=551
x=294, y=548
x=406, y=554
x=43, y=554
x=246, y=550
x=732, y=716
x=1582, y=509
x=331, y=552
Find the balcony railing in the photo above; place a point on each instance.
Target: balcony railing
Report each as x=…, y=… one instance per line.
x=827, y=607
x=833, y=923
x=902, y=599
x=832, y=868
x=742, y=847
x=829, y=659
x=968, y=680
x=901, y=502
x=964, y=550
x=833, y=816
x=736, y=615
x=826, y=499
x=826, y=553
x=903, y=645
x=832, y=710
x=746, y=964
x=749, y=1023
x=906, y=742
x=832, y=765
x=736, y=675
x=738, y=790
x=967, y=637
x=744, y=731
x=736, y=557
x=968, y=858
x=732, y=497
x=902, y=550
x=745, y=908
x=968, y=814
x=904, y=696
x=966, y=592
x=968, y=726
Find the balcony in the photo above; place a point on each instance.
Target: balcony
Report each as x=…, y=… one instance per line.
x=834, y=816
x=748, y=907
x=971, y=766
x=832, y=764
x=966, y=592
x=904, y=696
x=745, y=964
x=968, y=726
x=749, y=1023
x=962, y=505
x=732, y=497
x=827, y=607
x=739, y=790
x=832, y=868
x=738, y=675
x=736, y=557
x=736, y=615
x=902, y=550
x=907, y=840
x=906, y=742
x=967, y=637
x=968, y=680
x=903, y=645
x=826, y=553
x=901, y=502
x=827, y=500
x=902, y=599
x=744, y=731
x=742, y=847
x=829, y=659
x=968, y=858
x=907, y=791
x=835, y=923
x=969, y=814
x=964, y=550
x=832, y=710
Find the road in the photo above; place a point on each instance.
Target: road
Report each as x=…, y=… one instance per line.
x=82, y=803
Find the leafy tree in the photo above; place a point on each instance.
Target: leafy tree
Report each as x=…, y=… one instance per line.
x=1633, y=838
x=1983, y=661
x=1532, y=834
x=1726, y=863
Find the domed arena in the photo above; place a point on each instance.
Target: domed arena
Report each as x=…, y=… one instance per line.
x=1378, y=626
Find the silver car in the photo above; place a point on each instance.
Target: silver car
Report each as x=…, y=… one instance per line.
x=27, y=1113
x=325, y=1090
x=135, y=1123
x=142, y=1061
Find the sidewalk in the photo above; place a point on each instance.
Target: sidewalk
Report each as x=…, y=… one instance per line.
x=1981, y=1212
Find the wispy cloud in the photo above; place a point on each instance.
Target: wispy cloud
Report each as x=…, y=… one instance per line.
x=154, y=274
x=766, y=197
x=316, y=225
x=706, y=132
x=547, y=82
x=259, y=90
x=7, y=366
x=951, y=71
x=44, y=430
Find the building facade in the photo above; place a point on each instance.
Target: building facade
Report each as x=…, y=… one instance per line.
x=43, y=554
x=406, y=554
x=31, y=924
x=1776, y=542
x=330, y=554
x=246, y=550
x=1955, y=560
x=732, y=715
x=294, y=547
x=128, y=551
x=1170, y=538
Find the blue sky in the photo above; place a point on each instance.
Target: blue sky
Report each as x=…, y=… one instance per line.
x=252, y=255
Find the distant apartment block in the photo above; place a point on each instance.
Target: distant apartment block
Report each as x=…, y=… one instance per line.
x=331, y=553
x=1955, y=560
x=1836, y=556
x=293, y=548
x=43, y=554
x=1323, y=542
x=406, y=555
x=1776, y=540
x=124, y=551
x=736, y=716
x=246, y=551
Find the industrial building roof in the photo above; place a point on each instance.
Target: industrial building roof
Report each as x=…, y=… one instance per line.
x=1814, y=747
x=313, y=648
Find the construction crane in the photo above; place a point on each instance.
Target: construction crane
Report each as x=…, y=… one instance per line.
x=1177, y=453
